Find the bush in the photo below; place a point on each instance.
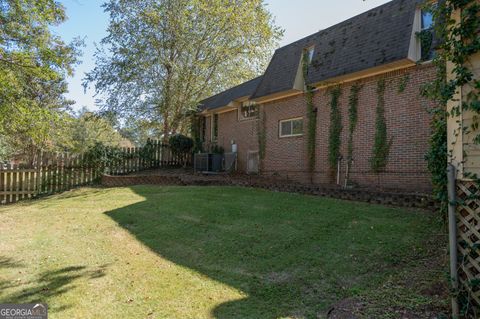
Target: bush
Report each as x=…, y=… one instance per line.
x=102, y=157
x=180, y=144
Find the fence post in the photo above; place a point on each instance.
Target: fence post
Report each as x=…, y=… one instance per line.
x=38, y=181
x=2, y=185
x=452, y=231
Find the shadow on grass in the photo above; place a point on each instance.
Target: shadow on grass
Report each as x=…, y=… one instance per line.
x=292, y=255
x=7, y=262
x=47, y=284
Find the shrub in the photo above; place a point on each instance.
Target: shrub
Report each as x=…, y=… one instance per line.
x=102, y=157
x=180, y=144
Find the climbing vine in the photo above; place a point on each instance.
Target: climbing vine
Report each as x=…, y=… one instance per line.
x=352, y=119
x=426, y=42
x=311, y=118
x=381, y=145
x=334, y=140
x=402, y=84
x=442, y=90
x=262, y=133
x=460, y=40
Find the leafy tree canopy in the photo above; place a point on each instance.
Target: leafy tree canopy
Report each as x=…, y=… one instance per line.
x=161, y=57
x=33, y=65
x=87, y=129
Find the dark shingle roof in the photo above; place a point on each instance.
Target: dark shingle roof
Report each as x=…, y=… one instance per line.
x=376, y=37
x=225, y=97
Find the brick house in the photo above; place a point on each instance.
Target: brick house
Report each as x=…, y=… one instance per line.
x=379, y=44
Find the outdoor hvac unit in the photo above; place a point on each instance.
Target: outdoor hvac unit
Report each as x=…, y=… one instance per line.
x=253, y=162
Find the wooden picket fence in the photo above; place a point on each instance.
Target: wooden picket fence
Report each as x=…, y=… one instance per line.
x=59, y=172
x=155, y=155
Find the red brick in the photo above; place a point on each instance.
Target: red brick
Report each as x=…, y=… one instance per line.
x=407, y=122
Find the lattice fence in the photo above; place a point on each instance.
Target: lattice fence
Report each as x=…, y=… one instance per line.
x=468, y=231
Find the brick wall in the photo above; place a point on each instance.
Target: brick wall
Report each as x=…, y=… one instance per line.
x=406, y=117
x=243, y=133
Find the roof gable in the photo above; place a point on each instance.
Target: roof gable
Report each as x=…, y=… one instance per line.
x=226, y=97
x=379, y=36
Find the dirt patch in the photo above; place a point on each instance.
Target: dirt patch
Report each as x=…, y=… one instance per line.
x=346, y=309
x=356, y=309
x=279, y=277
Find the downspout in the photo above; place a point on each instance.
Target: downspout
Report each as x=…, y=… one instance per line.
x=452, y=234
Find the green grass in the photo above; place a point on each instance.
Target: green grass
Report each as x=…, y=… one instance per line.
x=213, y=252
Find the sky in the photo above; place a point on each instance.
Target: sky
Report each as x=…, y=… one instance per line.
x=299, y=18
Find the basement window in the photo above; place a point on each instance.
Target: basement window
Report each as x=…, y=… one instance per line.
x=291, y=127
x=249, y=110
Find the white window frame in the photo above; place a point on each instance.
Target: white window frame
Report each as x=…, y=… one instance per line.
x=241, y=116
x=289, y=120
x=212, y=127
x=422, y=28
x=310, y=53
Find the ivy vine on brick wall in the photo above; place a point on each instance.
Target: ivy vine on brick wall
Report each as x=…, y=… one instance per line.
x=381, y=146
x=402, y=84
x=334, y=140
x=352, y=119
x=311, y=118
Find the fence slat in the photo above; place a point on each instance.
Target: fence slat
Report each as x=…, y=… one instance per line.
x=38, y=175
x=57, y=172
x=2, y=187
x=31, y=184
x=21, y=184
x=74, y=172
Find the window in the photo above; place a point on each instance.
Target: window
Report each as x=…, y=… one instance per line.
x=426, y=36
x=291, y=127
x=309, y=53
x=427, y=20
x=249, y=110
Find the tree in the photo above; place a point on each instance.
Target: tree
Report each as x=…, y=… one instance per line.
x=140, y=130
x=33, y=67
x=86, y=130
x=161, y=57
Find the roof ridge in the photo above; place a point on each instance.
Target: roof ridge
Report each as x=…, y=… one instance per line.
x=342, y=48
x=233, y=87
x=340, y=23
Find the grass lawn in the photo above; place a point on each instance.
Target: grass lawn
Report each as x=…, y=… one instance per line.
x=216, y=252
